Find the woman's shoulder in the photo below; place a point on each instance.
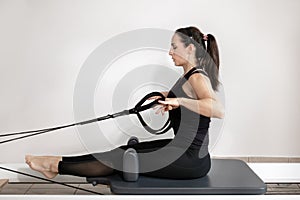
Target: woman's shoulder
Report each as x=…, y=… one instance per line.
x=198, y=76
x=201, y=82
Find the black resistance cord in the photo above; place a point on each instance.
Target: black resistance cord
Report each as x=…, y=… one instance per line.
x=139, y=107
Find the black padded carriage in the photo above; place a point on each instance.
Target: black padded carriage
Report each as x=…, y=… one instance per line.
x=227, y=176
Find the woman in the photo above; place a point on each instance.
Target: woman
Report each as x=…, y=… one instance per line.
x=191, y=103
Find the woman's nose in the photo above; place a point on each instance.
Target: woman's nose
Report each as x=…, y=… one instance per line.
x=170, y=52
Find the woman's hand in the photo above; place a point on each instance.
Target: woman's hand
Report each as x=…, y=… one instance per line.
x=166, y=105
x=154, y=98
x=165, y=94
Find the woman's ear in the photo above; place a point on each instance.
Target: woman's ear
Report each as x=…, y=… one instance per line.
x=191, y=48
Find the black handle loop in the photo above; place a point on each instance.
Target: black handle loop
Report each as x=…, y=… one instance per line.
x=139, y=107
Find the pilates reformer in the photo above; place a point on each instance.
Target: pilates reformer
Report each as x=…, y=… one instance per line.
x=227, y=176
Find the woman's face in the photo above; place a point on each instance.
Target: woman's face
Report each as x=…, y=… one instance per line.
x=178, y=51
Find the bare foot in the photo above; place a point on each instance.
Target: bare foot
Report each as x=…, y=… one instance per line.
x=47, y=165
x=49, y=175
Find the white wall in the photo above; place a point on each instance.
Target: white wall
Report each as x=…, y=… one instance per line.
x=43, y=45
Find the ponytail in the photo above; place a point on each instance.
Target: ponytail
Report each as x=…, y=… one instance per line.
x=212, y=61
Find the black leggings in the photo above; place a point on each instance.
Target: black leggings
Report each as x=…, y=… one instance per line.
x=185, y=165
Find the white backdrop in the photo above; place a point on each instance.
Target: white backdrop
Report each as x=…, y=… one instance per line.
x=43, y=45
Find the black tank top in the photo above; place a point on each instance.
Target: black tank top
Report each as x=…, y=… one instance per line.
x=190, y=128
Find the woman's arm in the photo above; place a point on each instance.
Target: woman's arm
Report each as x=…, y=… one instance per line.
x=206, y=102
x=208, y=107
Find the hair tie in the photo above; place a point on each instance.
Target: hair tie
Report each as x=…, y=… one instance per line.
x=205, y=37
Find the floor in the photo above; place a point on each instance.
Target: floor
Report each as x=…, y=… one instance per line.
x=53, y=189
x=284, y=189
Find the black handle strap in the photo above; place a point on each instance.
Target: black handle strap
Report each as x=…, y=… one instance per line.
x=139, y=107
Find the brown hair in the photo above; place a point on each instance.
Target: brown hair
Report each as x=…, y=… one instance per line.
x=206, y=54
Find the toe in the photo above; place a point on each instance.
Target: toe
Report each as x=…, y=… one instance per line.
x=27, y=157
